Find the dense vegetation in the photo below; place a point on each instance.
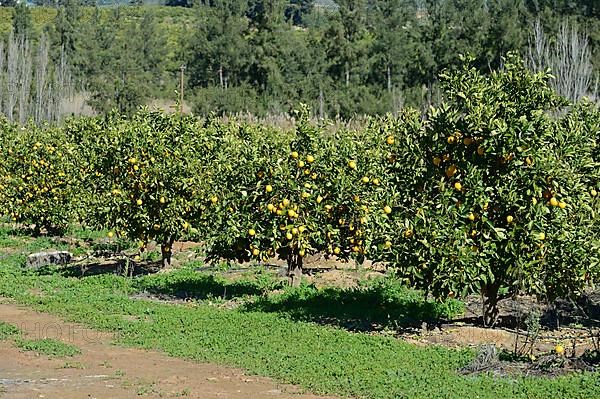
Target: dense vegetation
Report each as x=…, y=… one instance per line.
x=363, y=57
x=494, y=191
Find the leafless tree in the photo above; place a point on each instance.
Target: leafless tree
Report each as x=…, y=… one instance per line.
x=31, y=85
x=569, y=58
x=25, y=61
x=12, y=76
x=41, y=81
x=2, y=77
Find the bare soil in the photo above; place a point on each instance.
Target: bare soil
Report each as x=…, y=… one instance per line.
x=104, y=370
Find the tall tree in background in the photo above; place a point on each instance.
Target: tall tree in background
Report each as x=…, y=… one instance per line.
x=455, y=27
x=399, y=54
x=22, y=24
x=265, y=38
x=347, y=41
x=505, y=29
x=217, y=49
x=8, y=3
x=124, y=72
x=297, y=10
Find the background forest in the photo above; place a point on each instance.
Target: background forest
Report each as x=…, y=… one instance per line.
x=263, y=57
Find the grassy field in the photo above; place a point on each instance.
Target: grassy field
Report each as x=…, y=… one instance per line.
x=272, y=333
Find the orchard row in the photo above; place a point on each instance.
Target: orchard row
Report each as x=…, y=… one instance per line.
x=494, y=191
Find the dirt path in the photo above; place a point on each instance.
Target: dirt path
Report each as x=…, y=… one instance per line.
x=107, y=371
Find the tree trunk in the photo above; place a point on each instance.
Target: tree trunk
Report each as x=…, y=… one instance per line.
x=321, y=104
x=490, y=304
x=389, y=79
x=166, y=250
x=347, y=75
x=294, y=271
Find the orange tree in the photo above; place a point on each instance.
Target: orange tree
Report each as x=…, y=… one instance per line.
x=402, y=161
x=37, y=184
x=504, y=204
x=142, y=175
x=291, y=196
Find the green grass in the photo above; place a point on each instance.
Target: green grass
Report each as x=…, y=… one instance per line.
x=48, y=347
x=7, y=330
x=274, y=338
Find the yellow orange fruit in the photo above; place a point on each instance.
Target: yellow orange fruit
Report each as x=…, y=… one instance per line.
x=553, y=201
x=390, y=140
x=451, y=171
x=542, y=236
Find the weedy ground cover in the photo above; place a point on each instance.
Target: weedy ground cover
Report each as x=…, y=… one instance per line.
x=278, y=334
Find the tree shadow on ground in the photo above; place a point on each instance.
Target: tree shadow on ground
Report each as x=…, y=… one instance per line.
x=583, y=311
x=383, y=305
x=378, y=305
x=113, y=266
x=193, y=285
